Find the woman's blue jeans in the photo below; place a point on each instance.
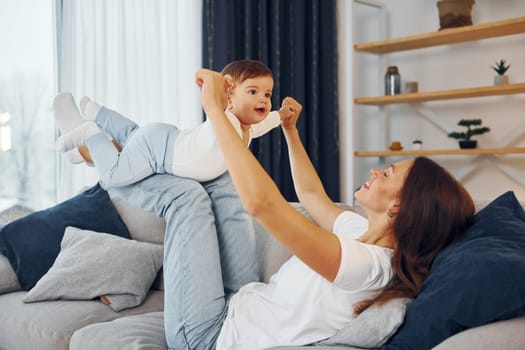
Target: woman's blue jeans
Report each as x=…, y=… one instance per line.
x=209, y=252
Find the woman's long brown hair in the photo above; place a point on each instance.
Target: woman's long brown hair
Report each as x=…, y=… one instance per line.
x=434, y=210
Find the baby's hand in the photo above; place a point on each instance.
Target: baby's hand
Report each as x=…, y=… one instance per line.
x=289, y=112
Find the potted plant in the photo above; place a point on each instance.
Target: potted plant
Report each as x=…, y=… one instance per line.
x=473, y=128
x=501, y=68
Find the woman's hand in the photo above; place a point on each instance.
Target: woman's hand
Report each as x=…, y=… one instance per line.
x=215, y=88
x=289, y=112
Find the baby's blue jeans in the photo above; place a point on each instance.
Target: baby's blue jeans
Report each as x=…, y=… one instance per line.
x=148, y=152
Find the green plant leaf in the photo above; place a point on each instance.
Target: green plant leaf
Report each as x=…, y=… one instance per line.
x=501, y=67
x=469, y=122
x=457, y=135
x=460, y=135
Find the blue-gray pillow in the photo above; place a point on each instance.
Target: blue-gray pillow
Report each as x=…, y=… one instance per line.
x=32, y=243
x=477, y=280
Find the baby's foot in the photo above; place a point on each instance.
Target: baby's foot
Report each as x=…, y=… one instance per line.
x=75, y=157
x=66, y=114
x=83, y=103
x=77, y=137
x=89, y=108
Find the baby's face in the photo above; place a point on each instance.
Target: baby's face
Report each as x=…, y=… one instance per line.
x=250, y=100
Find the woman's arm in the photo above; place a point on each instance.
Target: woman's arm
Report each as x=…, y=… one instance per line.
x=308, y=186
x=315, y=246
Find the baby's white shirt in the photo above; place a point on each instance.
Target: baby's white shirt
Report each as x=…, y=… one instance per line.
x=197, y=155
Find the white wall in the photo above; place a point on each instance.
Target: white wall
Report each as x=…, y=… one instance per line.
x=437, y=68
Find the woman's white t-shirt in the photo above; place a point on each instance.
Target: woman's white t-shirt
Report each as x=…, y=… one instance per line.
x=298, y=306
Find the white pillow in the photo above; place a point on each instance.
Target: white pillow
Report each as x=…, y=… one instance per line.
x=92, y=265
x=373, y=327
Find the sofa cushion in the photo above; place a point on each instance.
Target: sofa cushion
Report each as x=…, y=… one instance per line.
x=143, y=225
x=8, y=280
x=49, y=325
x=13, y=213
x=138, y=332
x=273, y=253
x=477, y=280
x=507, y=335
x=32, y=242
x=92, y=265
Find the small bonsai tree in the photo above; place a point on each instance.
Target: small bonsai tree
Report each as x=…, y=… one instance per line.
x=468, y=123
x=501, y=67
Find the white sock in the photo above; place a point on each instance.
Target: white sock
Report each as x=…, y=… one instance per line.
x=78, y=136
x=83, y=103
x=91, y=110
x=66, y=114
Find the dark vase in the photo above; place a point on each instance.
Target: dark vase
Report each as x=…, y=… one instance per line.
x=392, y=81
x=468, y=144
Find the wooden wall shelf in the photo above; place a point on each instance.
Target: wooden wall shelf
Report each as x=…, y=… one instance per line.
x=445, y=36
x=438, y=152
x=482, y=91
x=471, y=33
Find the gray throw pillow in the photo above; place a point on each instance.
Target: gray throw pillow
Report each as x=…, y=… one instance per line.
x=90, y=265
x=373, y=327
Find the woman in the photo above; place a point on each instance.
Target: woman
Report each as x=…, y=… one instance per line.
x=342, y=263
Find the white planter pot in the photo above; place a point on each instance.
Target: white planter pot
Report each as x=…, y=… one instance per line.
x=501, y=79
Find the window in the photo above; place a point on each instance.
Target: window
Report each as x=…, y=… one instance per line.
x=27, y=87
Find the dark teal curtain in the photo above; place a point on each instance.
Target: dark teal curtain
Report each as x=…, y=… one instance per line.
x=297, y=39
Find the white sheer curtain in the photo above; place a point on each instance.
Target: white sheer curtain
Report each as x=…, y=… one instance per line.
x=138, y=57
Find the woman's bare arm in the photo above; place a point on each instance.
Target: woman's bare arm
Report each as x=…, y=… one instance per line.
x=315, y=246
x=308, y=185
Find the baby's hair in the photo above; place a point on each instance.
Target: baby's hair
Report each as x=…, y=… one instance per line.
x=246, y=69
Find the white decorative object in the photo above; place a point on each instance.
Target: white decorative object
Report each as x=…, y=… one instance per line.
x=501, y=79
x=417, y=145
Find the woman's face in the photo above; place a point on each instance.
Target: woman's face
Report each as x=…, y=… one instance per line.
x=382, y=190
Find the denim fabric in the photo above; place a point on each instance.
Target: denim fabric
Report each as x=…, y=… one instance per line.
x=206, y=228
x=236, y=232
x=115, y=124
x=148, y=152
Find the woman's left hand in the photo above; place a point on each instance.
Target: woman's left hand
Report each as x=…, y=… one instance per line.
x=215, y=88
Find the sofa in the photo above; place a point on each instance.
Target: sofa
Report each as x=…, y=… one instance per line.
x=92, y=325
